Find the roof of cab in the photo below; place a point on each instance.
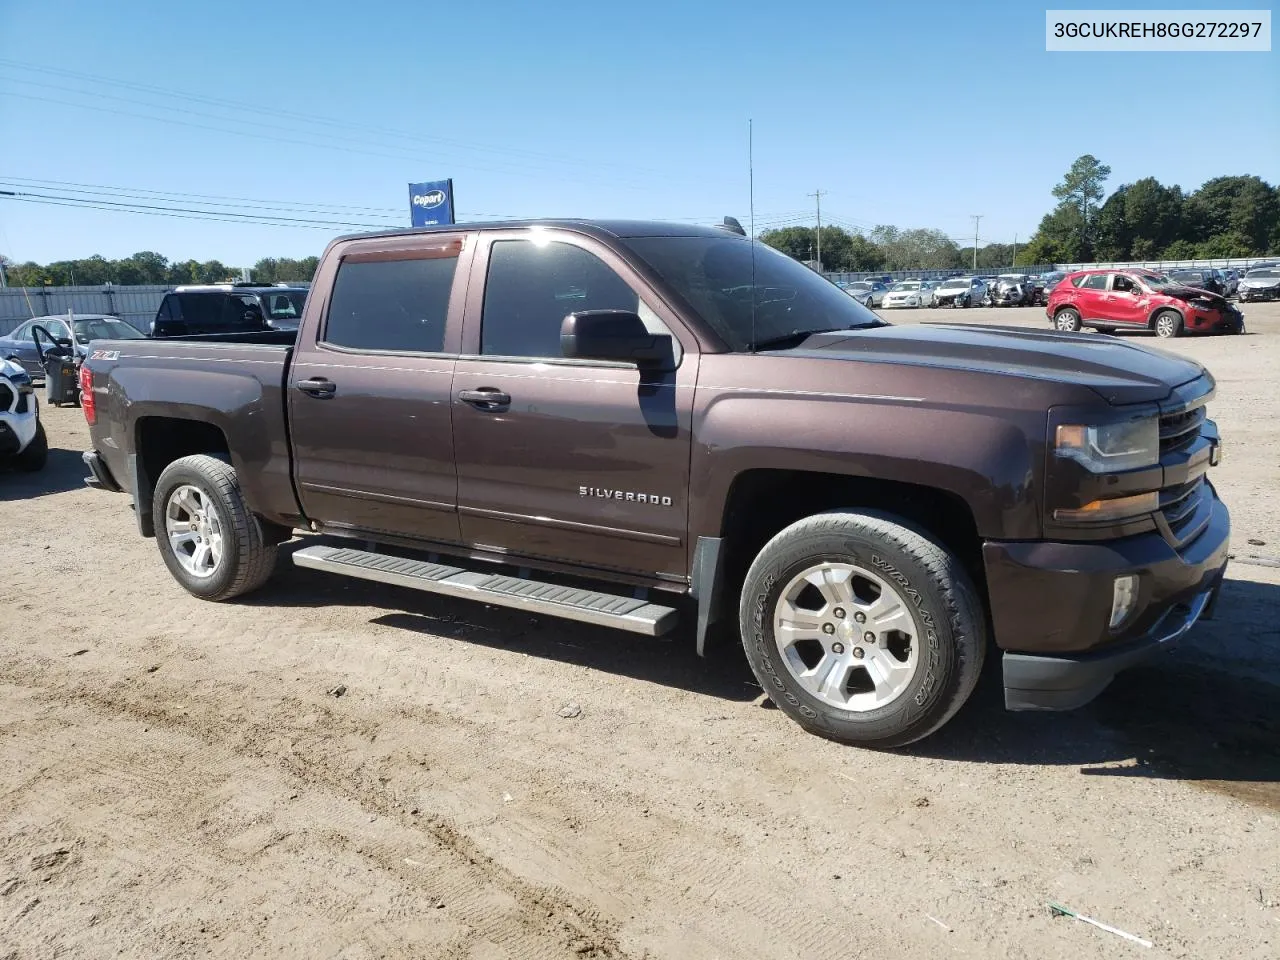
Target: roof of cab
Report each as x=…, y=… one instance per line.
x=616, y=229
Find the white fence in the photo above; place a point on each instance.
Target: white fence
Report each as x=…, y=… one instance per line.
x=134, y=304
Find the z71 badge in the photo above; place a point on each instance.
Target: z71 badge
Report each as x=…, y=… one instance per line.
x=105, y=355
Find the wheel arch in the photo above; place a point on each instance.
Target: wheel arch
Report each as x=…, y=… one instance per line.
x=160, y=440
x=762, y=501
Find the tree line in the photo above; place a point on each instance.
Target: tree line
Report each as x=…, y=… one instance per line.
x=148, y=267
x=1232, y=216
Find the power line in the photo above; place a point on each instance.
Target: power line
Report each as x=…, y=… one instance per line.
x=98, y=203
x=280, y=204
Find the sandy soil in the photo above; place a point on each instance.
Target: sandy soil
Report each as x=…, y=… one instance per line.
x=177, y=780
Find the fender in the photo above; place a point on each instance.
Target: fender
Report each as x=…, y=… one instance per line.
x=990, y=458
x=246, y=410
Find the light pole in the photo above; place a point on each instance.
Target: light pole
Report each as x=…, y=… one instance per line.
x=976, y=218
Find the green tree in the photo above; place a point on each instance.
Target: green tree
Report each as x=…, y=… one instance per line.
x=1154, y=215
x=1113, y=237
x=1081, y=189
x=841, y=250
x=915, y=249
x=1180, y=249
x=1244, y=205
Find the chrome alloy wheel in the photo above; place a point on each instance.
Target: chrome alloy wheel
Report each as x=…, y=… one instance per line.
x=846, y=636
x=194, y=529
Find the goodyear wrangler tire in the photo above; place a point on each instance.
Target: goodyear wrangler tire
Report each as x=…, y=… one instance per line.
x=861, y=629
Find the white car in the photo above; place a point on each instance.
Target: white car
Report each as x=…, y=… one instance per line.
x=909, y=293
x=22, y=440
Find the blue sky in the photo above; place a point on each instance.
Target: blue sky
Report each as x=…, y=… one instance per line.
x=912, y=114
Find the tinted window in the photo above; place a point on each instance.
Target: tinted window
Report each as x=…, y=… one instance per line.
x=200, y=311
x=531, y=287
x=163, y=314
x=1097, y=281
x=399, y=305
x=242, y=312
x=1121, y=282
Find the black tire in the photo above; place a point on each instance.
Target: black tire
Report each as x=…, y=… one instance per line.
x=947, y=616
x=36, y=454
x=248, y=551
x=1167, y=324
x=1067, y=320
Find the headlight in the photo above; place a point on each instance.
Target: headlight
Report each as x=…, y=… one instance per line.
x=1110, y=447
x=1205, y=305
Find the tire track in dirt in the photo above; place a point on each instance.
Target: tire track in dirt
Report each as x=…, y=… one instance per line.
x=545, y=921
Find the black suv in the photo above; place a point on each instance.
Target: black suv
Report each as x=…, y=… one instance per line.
x=228, y=308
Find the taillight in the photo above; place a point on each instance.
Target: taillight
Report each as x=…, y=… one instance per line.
x=87, y=399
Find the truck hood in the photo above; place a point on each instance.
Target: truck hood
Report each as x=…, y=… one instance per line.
x=1118, y=371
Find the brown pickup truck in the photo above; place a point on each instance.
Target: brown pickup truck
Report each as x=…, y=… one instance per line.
x=619, y=422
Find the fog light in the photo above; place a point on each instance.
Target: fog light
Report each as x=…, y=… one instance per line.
x=1124, y=596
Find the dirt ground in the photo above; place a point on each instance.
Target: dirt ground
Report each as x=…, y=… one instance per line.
x=177, y=779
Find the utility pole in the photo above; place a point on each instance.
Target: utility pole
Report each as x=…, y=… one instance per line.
x=4, y=281
x=817, y=196
x=1015, y=250
x=976, y=217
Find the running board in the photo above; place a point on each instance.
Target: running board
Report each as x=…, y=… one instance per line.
x=500, y=589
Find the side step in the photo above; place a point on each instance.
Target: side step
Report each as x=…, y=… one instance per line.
x=500, y=589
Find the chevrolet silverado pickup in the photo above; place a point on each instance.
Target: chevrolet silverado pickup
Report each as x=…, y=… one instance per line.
x=626, y=422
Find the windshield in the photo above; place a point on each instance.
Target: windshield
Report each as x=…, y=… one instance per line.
x=1187, y=276
x=860, y=285
x=714, y=276
x=284, y=304
x=904, y=287
x=1270, y=273
x=1156, y=282
x=103, y=329
x=961, y=284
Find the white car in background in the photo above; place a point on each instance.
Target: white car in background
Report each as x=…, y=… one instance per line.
x=22, y=441
x=909, y=293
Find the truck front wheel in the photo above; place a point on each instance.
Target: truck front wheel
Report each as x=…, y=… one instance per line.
x=862, y=629
x=210, y=540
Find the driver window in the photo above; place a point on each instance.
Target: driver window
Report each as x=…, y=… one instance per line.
x=1123, y=284
x=531, y=287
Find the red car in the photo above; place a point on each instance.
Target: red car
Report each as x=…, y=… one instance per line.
x=1109, y=299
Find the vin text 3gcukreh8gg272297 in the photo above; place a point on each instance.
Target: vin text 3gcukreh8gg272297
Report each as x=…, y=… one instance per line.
x=617, y=422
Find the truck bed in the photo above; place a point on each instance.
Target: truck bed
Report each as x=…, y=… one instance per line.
x=231, y=384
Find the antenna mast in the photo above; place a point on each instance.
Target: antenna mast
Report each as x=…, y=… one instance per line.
x=751, y=205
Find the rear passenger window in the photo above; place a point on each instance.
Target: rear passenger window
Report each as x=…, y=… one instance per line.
x=1097, y=281
x=397, y=305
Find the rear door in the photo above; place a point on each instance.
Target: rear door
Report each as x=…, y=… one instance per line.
x=369, y=397
x=581, y=461
x=1089, y=297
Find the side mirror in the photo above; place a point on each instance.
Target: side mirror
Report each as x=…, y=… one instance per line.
x=63, y=342
x=618, y=335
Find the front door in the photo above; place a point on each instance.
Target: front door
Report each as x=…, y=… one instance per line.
x=1125, y=301
x=369, y=389
x=576, y=460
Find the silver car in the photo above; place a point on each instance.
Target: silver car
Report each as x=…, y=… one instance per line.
x=909, y=293
x=874, y=290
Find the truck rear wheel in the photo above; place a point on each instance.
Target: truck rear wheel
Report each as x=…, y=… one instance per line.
x=861, y=629
x=210, y=540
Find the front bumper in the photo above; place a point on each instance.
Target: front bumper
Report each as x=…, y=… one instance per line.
x=1051, y=604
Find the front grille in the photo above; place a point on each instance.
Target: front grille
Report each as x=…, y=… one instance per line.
x=6, y=397
x=1179, y=505
x=1179, y=430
